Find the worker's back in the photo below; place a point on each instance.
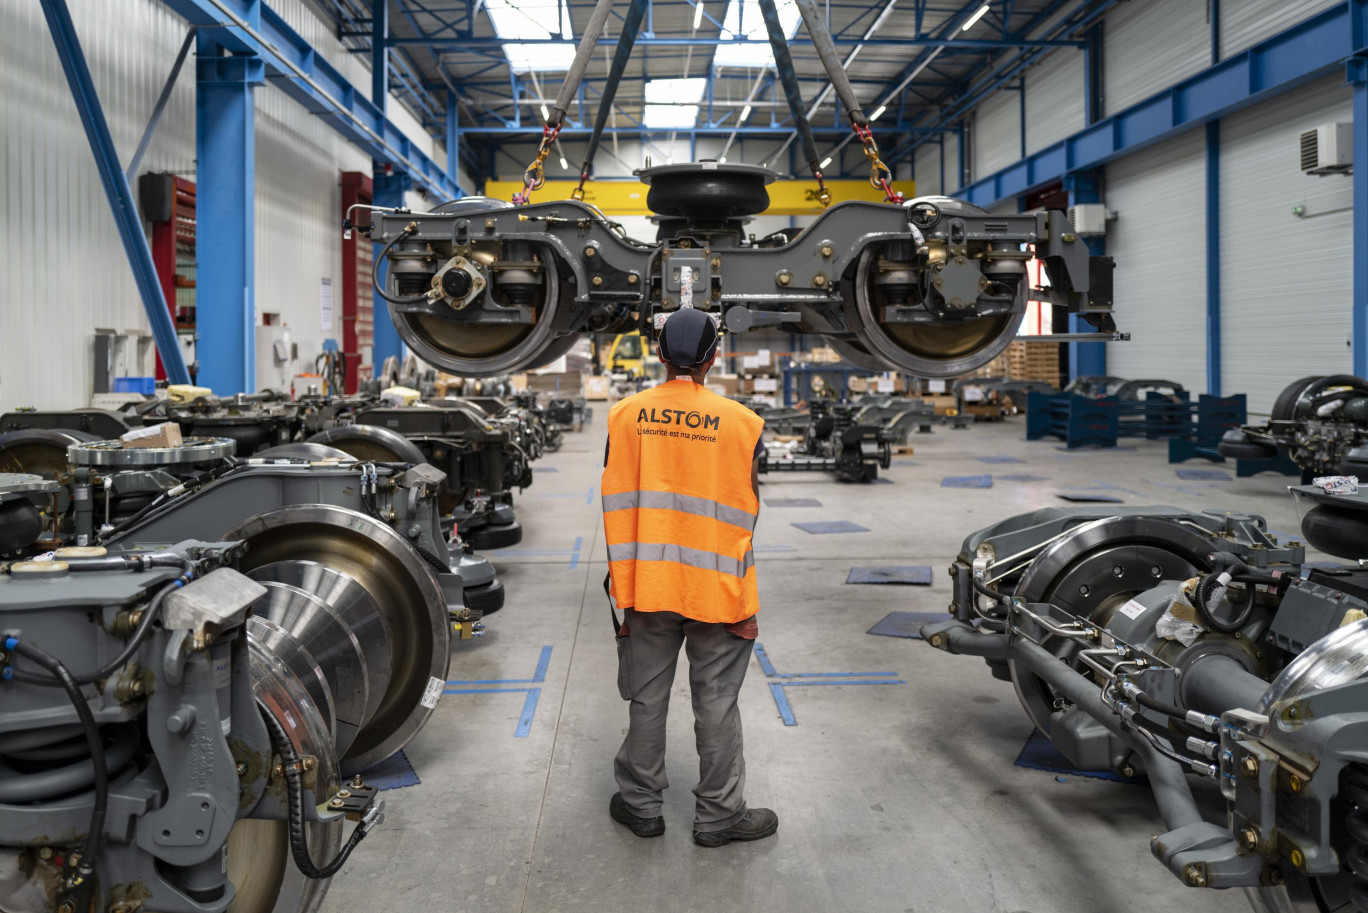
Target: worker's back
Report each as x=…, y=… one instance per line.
x=678, y=504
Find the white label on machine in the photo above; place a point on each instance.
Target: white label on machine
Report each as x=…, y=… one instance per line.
x=432, y=692
x=885, y=384
x=1132, y=609
x=935, y=386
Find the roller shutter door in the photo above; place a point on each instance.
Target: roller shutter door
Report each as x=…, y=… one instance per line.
x=1286, y=282
x=1158, y=242
x=1054, y=99
x=1147, y=46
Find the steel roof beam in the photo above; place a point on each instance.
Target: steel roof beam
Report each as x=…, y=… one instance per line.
x=293, y=66
x=467, y=41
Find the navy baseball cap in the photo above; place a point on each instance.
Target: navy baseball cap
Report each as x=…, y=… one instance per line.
x=688, y=338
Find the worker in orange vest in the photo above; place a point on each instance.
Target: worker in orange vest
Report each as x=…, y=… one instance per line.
x=680, y=500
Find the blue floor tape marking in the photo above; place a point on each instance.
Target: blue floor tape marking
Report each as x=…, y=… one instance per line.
x=574, y=559
x=590, y=500
x=895, y=681
x=529, y=710
x=998, y=459
x=533, y=694
x=1039, y=754
x=543, y=661
x=545, y=469
x=781, y=701
x=967, y=482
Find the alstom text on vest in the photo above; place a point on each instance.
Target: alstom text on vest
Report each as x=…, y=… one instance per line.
x=679, y=417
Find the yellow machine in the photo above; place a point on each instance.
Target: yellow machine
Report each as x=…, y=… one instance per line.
x=627, y=355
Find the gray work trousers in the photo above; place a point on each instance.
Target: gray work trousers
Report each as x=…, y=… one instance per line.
x=646, y=671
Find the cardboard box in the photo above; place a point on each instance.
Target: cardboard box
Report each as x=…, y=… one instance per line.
x=167, y=434
x=518, y=381
x=596, y=386
x=730, y=383
x=766, y=385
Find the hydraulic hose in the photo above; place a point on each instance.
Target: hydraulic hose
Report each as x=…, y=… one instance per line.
x=294, y=791
x=375, y=275
x=140, y=633
x=79, y=879
x=1206, y=598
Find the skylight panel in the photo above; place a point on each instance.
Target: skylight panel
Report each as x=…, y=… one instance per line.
x=515, y=20
x=673, y=104
x=744, y=20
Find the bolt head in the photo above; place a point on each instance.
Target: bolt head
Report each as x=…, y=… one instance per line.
x=1297, y=858
x=242, y=769
x=1127, y=771
x=937, y=640
x=633, y=279
x=828, y=251
x=1249, y=766
x=334, y=803
x=590, y=252
x=1249, y=838
x=598, y=280
x=45, y=853
x=310, y=763
x=1295, y=783
x=784, y=278
x=716, y=262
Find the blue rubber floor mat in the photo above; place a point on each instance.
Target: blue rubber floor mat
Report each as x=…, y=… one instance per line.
x=998, y=459
x=792, y=502
x=1088, y=497
x=1207, y=475
x=395, y=772
x=1021, y=478
x=910, y=574
x=1039, y=754
x=830, y=526
x=907, y=624
x=967, y=482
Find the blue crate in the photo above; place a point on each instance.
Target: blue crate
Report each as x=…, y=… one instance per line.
x=143, y=385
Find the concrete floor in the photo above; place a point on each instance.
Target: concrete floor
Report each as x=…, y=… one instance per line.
x=891, y=798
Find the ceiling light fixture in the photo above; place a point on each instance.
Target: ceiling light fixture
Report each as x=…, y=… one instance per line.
x=745, y=113
x=826, y=161
x=564, y=163
x=982, y=11
x=878, y=112
x=698, y=15
x=546, y=115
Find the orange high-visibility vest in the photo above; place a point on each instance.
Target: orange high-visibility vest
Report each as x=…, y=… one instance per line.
x=678, y=507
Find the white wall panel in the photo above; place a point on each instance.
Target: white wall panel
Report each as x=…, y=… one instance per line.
x=1054, y=99
x=1158, y=242
x=298, y=217
x=1286, y=282
x=51, y=198
x=996, y=137
x=1148, y=45
x=1245, y=23
x=927, y=170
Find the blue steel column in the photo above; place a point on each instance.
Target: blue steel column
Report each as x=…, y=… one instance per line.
x=225, y=255
x=120, y=195
x=1358, y=75
x=1086, y=358
x=1213, y=257
x=386, y=190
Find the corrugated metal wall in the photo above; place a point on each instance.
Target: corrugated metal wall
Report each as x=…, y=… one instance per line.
x=1158, y=242
x=1148, y=46
x=1054, y=99
x=1286, y=282
x=1247, y=22
x=996, y=137
x=927, y=169
x=62, y=268
x=52, y=197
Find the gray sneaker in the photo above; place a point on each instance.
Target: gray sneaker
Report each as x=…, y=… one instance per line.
x=642, y=827
x=758, y=824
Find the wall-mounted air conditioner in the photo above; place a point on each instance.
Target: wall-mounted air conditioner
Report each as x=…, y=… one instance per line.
x=1328, y=149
